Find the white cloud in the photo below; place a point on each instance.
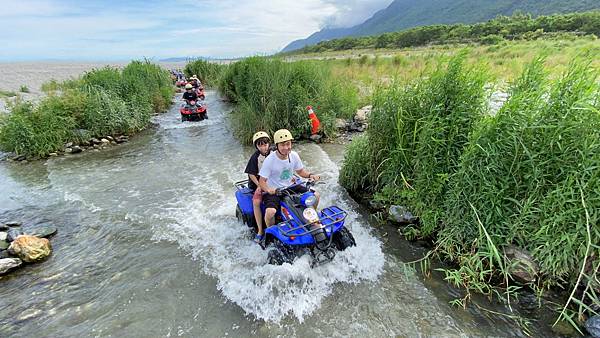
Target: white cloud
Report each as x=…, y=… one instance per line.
x=353, y=12
x=227, y=28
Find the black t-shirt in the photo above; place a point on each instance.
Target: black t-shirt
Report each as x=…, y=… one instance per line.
x=190, y=96
x=252, y=168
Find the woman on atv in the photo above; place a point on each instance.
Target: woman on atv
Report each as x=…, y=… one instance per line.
x=278, y=172
x=262, y=143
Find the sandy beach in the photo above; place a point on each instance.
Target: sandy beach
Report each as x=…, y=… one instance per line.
x=13, y=75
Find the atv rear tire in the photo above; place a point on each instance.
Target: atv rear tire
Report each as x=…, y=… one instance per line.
x=239, y=215
x=343, y=239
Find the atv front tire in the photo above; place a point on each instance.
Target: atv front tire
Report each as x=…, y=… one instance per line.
x=343, y=239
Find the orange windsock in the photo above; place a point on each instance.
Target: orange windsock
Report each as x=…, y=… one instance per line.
x=314, y=120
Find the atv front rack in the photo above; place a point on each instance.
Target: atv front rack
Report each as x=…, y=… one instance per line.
x=332, y=216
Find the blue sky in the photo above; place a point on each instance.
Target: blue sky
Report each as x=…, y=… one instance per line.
x=101, y=30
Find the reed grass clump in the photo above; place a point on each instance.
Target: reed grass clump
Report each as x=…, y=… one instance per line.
x=271, y=94
x=526, y=177
x=208, y=72
x=531, y=173
x=102, y=102
x=417, y=133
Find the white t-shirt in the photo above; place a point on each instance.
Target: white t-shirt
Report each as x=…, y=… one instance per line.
x=279, y=172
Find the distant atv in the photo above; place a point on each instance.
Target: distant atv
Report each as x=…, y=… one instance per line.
x=200, y=92
x=193, y=111
x=300, y=228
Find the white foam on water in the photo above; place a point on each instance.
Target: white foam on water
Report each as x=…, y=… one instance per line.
x=205, y=224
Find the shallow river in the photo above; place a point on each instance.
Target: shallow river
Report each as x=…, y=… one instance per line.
x=149, y=245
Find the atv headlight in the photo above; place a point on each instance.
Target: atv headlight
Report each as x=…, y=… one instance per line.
x=309, y=199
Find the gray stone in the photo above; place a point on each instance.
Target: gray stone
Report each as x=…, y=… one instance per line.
x=104, y=141
x=19, y=158
x=86, y=143
x=315, y=138
x=340, y=124
x=13, y=233
x=110, y=138
x=521, y=265
x=357, y=126
x=401, y=215
x=3, y=235
x=363, y=113
x=4, y=254
x=376, y=205
x=122, y=139
x=43, y=231
x=76, y=149
x=13, y=224
x=4, y=245
x=68, y=150
x=592, y=325
x=53, y=154
x=7, y=264
x=95, y=141
x=3, y=227
x=69, y=145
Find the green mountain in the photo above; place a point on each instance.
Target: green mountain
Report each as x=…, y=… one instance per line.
x=403, y=14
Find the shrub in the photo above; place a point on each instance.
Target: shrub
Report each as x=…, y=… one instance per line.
x=208, y=72
x=272, y=94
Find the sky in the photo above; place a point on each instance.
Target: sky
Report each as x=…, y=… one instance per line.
x=104, y=30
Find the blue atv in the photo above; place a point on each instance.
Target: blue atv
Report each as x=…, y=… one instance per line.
x=299, y=228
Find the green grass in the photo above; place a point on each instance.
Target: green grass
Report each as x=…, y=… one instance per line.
x=102, y=102
x=527, y=176
x=271, y=94
x=209, y=73
x=504, y=62
x=6, y=93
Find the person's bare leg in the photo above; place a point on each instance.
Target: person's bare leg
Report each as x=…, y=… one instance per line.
x=270, y=216
x=258, y=216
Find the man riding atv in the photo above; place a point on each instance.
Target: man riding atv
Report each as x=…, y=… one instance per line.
x=294, y=226
x=190, y=94
x=278, y=172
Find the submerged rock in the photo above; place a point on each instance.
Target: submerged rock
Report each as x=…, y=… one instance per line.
x=43, y=231
x=13, y=233
x=4, y=254
x=521, y=265
x=3, y=227
x=3, y=235
x=400, y=214
x=30, y=248
x=4, y=245
x=76, y=149
x=13, y=224
x=7, y=264
x=592, y=325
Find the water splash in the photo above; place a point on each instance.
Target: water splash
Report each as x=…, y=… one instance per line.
x=205, y=225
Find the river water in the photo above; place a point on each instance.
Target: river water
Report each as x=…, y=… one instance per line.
x=149, y=246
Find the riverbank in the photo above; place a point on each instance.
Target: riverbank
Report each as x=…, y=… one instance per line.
x=505, y=197
x=105, y=102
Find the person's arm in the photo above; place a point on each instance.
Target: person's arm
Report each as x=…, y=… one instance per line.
x=254, y=179
x=306, y=174
x=265, y=187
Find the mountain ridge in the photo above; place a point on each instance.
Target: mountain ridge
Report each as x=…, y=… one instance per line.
x=404, y=14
